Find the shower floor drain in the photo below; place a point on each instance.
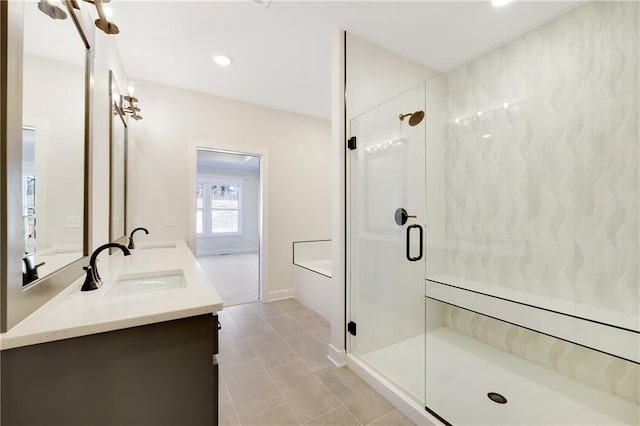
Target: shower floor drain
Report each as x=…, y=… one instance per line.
x=497, y=398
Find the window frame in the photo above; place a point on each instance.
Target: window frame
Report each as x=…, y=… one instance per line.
x=207, y=208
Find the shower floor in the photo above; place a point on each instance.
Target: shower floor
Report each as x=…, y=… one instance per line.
x=461, y=371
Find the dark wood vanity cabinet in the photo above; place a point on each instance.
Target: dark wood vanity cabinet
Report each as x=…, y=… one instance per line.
x=159, y=374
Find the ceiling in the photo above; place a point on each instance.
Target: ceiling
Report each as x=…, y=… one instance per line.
x=217, y=159
x=282, y=49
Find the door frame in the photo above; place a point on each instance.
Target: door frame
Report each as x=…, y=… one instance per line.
x=263, y=228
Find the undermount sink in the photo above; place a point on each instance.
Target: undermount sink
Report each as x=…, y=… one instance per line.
x=147, y=282
x=149, y=246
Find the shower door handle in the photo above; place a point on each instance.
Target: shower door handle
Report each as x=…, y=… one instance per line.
x=421, y=234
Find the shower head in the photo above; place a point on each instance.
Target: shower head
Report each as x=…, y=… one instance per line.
x=415, y=118
x=51, y=10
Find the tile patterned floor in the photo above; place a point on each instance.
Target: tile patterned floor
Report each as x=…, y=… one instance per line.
x=235, y=276
x=274, y=371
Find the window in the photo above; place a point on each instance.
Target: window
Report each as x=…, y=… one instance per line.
x=225, y=208
x=199, y=207
x=222, y=203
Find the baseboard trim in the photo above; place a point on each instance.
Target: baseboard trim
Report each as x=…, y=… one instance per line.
x=217, y=252
x=338, y=357
x=273, y=296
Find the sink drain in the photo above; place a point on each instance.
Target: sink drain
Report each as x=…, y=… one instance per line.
x=497, y=398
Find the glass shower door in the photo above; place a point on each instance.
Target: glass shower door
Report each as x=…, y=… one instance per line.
x=387, y=216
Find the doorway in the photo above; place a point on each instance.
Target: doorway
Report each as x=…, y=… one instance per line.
x=227, y=222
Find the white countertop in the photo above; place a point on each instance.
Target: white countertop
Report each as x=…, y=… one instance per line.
x=73, y=313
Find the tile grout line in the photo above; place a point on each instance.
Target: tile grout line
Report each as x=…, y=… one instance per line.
x=244, y=338
x=328, y=412
x=336, y=396
x=309, y=331
x=323, y=384
x=269, y=374
x=279, y=391
x=293, y=319
x=382, y=417
x=233, y=404
x=299, y=359
x=315, y=373
x=302, y=360
x=265, y=411
x=280, y=365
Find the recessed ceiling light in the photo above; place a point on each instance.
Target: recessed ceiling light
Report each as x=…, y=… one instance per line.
x=222, y=60
x=486, y=135
x=498, y=3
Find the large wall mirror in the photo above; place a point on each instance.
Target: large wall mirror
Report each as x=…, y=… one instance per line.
x=118, y=164
x=48, y=61
x=53, y=107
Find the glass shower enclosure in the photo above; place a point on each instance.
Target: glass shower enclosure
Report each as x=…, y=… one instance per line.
x=387, y=212
x=493, y=260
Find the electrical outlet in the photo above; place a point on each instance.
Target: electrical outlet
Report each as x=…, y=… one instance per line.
x=136, y=221
x=72, y=222
x=116, y=222
x=170, y=221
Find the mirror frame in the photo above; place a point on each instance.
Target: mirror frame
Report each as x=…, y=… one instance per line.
x=16, y=302
x=116, y=111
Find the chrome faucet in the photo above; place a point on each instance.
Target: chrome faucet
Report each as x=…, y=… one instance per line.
x=93, y=280
x=132, y=245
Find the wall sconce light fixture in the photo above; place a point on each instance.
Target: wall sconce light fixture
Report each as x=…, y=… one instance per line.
x=103, y=22
x=54, y=9
x=131, y=107
x=51, y=9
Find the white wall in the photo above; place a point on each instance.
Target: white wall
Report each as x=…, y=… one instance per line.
x=106, y=58
x=250, y=202
x=49, y=114
x=59, y=146
x=375, y=75
x=298, y=147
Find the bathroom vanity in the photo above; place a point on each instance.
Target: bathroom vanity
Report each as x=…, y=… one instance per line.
x=140, y=350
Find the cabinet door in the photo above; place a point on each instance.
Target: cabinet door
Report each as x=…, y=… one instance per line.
x=158, y=374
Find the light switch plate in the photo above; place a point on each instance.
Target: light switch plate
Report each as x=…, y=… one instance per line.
x=72, y=222
x=170, y=221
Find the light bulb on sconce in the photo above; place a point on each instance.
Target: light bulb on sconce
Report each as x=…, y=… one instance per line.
x=130, y=103
x=108, y=11
x=103, y=22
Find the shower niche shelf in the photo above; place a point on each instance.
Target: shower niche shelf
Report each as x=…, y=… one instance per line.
x=579, y=324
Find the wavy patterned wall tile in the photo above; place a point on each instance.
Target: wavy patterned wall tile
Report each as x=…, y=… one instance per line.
x=542, y=188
